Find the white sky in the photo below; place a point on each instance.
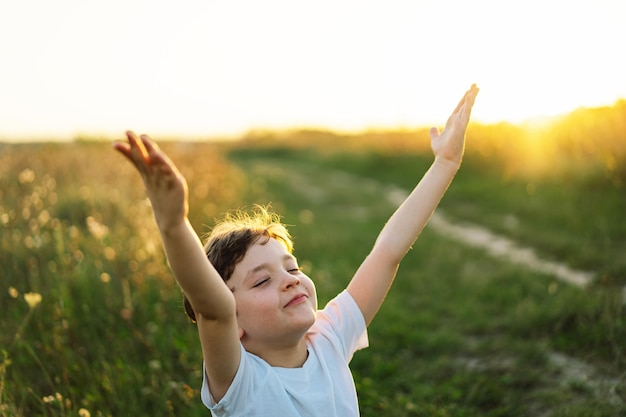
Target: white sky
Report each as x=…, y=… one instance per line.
x=206, y=68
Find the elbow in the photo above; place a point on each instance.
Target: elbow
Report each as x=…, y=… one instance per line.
x=388, y=253
x=210, y=310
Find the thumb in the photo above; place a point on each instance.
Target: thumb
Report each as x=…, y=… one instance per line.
x=434, y=133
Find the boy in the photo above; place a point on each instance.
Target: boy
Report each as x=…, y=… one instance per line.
x=267, y=350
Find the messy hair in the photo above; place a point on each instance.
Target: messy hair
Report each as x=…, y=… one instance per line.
x=227, y=243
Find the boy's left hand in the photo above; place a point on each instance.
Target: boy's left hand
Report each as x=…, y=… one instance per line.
x=450, y=143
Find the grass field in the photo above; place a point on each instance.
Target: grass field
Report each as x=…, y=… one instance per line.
x=92, y=322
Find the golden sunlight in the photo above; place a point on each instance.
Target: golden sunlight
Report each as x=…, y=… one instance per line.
x=209, y=69
x=539, y=59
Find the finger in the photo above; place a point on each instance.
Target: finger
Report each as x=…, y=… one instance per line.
x=148, y=143
x=130, y=151
x=158, y=157
x=474, y=93
x=150, y=147
x=455, y=113
x=462, y=111
x=137, y=146
x=126, y=150
x=155, y=153
x=470, y=99
x=462, y=101
x=434, y=133
x=121, y=147
x=138, y=153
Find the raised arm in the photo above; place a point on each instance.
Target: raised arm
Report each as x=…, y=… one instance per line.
x=212, y=301
x=372, y=281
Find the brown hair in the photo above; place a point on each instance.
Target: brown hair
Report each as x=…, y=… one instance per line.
x=231, y=238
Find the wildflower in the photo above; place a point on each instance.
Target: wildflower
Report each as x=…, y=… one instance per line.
x=26, y=213
x=154, y=365
x=26, y=176
x=189, y=392
x=13, y=292
x=85, y=192
x=32, y=299
x=109, y=253
x=78, y=255
x=83, y=412
x=97, y=229
x=44, y=217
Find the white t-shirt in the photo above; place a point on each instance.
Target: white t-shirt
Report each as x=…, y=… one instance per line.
x=323, y=386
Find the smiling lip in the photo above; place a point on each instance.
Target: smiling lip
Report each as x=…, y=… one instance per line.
x=300, y=298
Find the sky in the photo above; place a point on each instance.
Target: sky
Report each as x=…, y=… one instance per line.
x=85, y=68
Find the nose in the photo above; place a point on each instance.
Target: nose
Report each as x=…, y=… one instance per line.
x=290, y=281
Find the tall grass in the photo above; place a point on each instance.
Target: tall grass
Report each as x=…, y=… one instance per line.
x=92, y=322
x=109, y=335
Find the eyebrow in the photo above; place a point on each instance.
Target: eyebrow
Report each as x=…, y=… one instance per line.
x=265, y=265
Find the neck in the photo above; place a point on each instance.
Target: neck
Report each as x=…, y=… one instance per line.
x=288, y=356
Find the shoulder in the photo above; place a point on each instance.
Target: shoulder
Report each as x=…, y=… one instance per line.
x=341, y=323
x=341, y=309
x=252, y=373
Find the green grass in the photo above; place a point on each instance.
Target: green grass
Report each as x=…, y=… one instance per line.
x=460, y=334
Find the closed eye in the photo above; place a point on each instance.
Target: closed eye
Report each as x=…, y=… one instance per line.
x=294, y=270
x=261, y=282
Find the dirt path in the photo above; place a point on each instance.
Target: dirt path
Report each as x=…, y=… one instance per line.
x=474, y=235
x=499, y=246
x=470, y=234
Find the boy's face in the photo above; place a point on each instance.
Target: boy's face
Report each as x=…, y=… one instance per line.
x=275, y=301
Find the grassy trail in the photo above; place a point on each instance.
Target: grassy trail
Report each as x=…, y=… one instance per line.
x=467, y=233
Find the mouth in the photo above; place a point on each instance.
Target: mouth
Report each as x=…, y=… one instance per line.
x=297, y=299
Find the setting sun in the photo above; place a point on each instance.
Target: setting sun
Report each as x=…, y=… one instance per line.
x=207, y=68
x=552, y=59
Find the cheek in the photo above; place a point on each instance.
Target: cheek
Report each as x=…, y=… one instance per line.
x=255, y=314
x=252, y=305
x=310, y=286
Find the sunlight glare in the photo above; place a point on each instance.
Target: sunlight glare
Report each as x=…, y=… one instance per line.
x=206, y=68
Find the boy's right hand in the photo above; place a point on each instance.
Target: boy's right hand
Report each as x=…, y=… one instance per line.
x=165, y=185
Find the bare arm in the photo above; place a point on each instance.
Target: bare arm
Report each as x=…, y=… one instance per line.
x=211, y=299
x=372, y=281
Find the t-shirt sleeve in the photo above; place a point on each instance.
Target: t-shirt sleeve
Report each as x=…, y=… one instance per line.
x=342, y=320
x=240, y=384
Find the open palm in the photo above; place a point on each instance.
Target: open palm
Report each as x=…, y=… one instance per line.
x=450, y=143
